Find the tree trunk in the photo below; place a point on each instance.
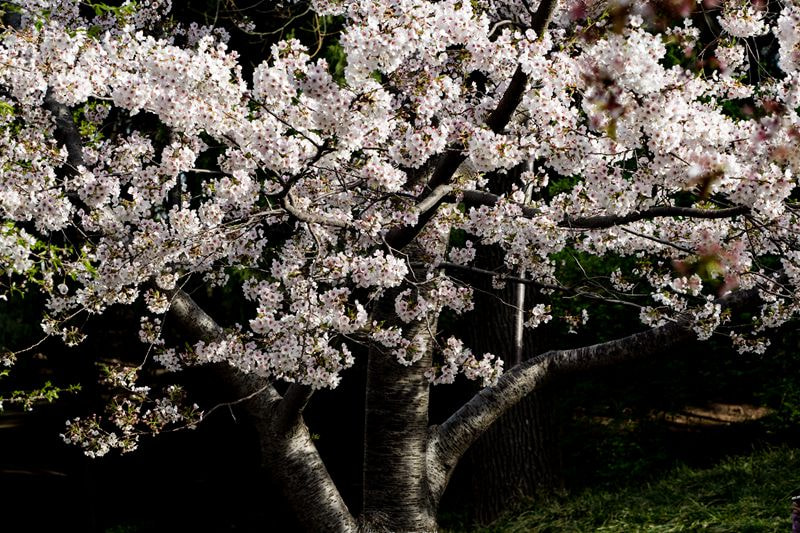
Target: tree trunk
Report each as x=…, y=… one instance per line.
x=396, y=493
x=518, y=456
x=287, y=448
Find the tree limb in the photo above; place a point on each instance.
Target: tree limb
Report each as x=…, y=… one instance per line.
x=541, y=19
x=471, y=198
x=400, y=236
x=291, y=408
x=659, y=241
x=608, y=221
x=192, y=318
x=286, y=444
x=504, y=277
x=448, y=442
x=312, y=218
x=65, y=128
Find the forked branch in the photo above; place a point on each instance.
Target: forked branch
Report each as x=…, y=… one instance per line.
x=399, y=237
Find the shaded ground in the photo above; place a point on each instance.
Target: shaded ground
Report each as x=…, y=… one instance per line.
x=184, y=482
x=694, y=418
x=740, y=494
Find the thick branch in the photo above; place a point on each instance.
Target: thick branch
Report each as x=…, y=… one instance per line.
x=312, y=218
x=449, y=441
x=66, y=130
x=541, y=19
x=192, y=318
x=434, y=199
x=286, y=445
x=608, y=221
x=399, y=237
x=508, y=103
x=488, y=199
x=291, y=408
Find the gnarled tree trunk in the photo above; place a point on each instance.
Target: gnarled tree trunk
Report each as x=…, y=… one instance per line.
x=287, y=448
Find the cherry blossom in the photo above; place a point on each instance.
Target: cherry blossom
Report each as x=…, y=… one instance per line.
x=317, y=196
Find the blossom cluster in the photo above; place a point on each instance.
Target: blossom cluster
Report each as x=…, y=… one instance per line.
x=291, y=183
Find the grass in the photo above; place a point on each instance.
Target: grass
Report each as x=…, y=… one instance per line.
x=748, y=493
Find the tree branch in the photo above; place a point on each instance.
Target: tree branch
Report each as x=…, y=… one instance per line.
x=608, y=221
x=505, y=277
x=400, y=236
x=659, y=241
x=488, y=199
x=192, y=318
x=312, y=218
x=448, y=442
x=65, y=128
x=286, y=444
x=291, y=408
x=541, y=19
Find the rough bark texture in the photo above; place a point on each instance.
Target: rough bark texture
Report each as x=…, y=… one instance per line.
x=396, y=495
x=286, y=445
x=518, y=455
x=296, y=465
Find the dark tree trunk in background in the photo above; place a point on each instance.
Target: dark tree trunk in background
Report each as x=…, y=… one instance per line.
x=519, y=455
x=516, y=458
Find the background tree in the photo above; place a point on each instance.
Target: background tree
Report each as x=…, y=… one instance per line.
x=143, y=161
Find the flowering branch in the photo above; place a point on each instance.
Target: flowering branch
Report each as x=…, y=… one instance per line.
x=286, y=442
x=400, y=236
x=312, y=218
x=472, y=198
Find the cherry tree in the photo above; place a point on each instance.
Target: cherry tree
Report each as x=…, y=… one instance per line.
x=139, y=159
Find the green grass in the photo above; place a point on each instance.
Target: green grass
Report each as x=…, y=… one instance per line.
x=741, y=494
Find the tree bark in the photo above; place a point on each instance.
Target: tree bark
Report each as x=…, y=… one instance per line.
x=396, y=490
x=287, y=448
x=396, y=495
x=518, y=455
